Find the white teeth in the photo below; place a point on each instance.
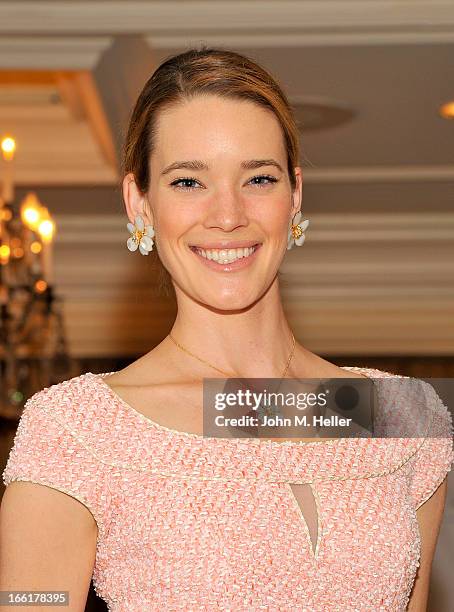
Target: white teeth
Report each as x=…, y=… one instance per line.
x=224, y=256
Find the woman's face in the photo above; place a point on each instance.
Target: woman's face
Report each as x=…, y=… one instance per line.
x=219, y=187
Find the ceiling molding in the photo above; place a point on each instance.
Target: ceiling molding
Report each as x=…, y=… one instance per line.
x=303, y=39
x=378, y=174
x=373, y=20
x=50, y=53
x=90, y=99
x=44, y=174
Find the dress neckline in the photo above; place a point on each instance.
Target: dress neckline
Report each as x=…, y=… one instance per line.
x=367, y=373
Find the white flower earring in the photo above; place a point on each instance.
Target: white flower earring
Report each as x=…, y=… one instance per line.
x=296, y=231
x=141, y=236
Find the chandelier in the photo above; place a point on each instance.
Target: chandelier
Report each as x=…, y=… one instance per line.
x=33, y=351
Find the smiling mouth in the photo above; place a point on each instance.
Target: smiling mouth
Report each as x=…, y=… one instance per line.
x=225, y=256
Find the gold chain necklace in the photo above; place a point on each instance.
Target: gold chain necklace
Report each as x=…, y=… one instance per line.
x=227, y=373
x=274, y=412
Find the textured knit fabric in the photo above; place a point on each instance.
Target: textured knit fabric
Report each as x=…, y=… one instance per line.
x=193, y=523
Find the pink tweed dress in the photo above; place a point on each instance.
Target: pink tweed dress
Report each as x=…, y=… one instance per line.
x=191, y=523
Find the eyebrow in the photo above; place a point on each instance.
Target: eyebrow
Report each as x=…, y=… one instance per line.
x=195, y=164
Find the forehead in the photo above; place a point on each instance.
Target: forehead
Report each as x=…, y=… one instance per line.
x=211, y=126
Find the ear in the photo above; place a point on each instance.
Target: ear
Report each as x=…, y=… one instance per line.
x=136, y=202
x=297, y=195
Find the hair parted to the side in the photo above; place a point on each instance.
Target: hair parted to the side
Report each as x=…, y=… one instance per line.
x=203, y=71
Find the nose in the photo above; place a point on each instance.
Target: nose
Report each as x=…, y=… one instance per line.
x=227, y=211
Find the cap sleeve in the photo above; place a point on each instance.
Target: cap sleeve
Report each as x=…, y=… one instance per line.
x=434, y=458
x=47, y=451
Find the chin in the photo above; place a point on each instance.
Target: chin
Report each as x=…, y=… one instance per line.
x=228, y=300
x=227, y=293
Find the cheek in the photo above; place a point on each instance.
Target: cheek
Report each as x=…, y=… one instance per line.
x=275, y=218
x=172, y=223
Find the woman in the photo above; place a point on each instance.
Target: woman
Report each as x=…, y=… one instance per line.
x=161, y=517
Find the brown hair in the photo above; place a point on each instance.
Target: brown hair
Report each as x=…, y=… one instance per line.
x=205, y=70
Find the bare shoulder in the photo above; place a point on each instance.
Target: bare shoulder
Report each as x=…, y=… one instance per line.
x=150, y=387
x=312, y=365
x=150, y=370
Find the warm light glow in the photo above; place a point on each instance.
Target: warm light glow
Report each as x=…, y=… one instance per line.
x=40, y=286
x=35, y=247
x=6, y=214
x=31, y=211
x=4, y=252
x=36, y=217
x=8, y=146
x=31, y=216
x=447, y=110
x=46, y=230
x=15, y=242
x=18, y=252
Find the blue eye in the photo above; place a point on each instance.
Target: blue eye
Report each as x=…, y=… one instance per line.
x=269, y=178
x=185, y=180
x=188, y=179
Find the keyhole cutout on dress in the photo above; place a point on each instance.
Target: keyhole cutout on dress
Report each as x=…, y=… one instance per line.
x=306, y=507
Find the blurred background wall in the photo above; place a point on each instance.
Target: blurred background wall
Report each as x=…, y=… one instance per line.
x=371, y=84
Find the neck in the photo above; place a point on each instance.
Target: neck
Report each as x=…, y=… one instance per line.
x=252, y=343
